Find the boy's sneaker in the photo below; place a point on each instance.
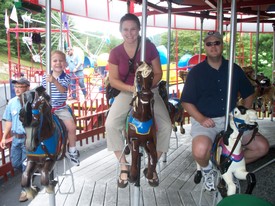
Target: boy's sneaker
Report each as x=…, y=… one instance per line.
x=73, y=156
x=209, y=179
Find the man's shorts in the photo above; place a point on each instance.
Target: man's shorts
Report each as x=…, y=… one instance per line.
x=197, y=129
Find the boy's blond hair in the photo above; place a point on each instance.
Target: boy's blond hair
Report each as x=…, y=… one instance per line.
x=61, y=53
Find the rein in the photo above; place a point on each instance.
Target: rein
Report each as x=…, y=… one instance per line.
x=242, y=127
x=254, y=80
x=43, y=146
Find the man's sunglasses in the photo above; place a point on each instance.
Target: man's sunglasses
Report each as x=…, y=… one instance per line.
x=214, y=43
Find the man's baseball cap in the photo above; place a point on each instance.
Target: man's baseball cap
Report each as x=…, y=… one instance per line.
x=21, y=81
x=214, y=34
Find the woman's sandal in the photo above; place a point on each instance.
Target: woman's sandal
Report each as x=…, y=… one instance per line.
x=122, y=183
x=154, y=182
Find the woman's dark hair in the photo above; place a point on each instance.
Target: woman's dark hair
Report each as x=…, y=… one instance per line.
x=127, y=17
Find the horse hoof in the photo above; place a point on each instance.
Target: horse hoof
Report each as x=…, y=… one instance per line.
x=197, y=177
x=222, y=188
x=31, y=193
x=132, y=179
x=50, y=189
x=182, y=131
x=127, y=150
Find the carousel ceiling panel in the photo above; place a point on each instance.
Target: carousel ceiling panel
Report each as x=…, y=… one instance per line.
x=186, y=14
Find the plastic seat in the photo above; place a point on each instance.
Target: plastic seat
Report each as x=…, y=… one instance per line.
x=243, y=200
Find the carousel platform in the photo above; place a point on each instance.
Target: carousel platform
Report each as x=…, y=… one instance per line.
x=94, y=181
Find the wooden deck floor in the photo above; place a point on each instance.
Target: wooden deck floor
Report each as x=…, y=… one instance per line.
x=95, y=180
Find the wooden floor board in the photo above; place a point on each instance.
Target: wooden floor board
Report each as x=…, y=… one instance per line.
x=72, y=200
x=149, y=197
x=161, y=196
x=174, y=198
x=98, y=195
x=95, y=181
x=87, y=193
x=111, y=194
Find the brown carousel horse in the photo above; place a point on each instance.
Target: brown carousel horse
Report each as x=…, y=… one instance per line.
x=264, y=90
x=140, y=124
x=46, y=139
x=173, y=105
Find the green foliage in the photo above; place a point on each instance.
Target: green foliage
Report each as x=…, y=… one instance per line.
x=188, y=43
x=184, y=42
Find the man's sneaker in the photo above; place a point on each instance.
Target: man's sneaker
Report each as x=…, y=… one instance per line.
x=73, y=156
x=209, y=180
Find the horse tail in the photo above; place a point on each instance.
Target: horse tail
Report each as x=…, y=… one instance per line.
x=215, y=155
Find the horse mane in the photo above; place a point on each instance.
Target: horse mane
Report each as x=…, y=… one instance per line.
x=41, y=91
x=145, y=70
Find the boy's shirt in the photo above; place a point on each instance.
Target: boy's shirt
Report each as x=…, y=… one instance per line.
x=58, y=100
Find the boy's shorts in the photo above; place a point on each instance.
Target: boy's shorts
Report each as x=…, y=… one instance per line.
x=64, y=114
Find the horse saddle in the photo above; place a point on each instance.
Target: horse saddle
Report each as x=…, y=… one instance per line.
x=52, y=143
x=220, y=155
x=142, y=128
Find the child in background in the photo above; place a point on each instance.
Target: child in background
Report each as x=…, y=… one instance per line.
x=60, y=82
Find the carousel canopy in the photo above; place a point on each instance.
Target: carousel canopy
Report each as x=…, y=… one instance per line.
x=186, y=14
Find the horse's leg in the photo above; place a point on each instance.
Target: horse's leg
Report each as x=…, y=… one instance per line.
x=26, y=180
x=250, y=178
x=269, y=106
x=263, y=106
x=152, y=158
x=174, y=127
x=134, y=165
x=45, y=175
x=228, y=178
x=150, y=166
x=251, y=182
x=182, y=130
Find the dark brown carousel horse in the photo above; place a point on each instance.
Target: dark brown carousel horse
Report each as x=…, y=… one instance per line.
x=264, y=90
x=46, y=138
x=140, y=124
x=173, y=105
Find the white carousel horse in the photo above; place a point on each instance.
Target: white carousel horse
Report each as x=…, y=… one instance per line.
x=227, y=152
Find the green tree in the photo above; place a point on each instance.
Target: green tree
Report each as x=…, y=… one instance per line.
x=6, y=4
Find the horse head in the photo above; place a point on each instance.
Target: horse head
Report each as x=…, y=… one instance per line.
x=143, y=83
x=35, y=110
x=144, y=77
x=241, y=120
x=244, y=119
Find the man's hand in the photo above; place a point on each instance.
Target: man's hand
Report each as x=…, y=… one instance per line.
x=3, y=143
x=208, y=122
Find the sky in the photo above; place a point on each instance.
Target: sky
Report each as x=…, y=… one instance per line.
x=90, y=25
